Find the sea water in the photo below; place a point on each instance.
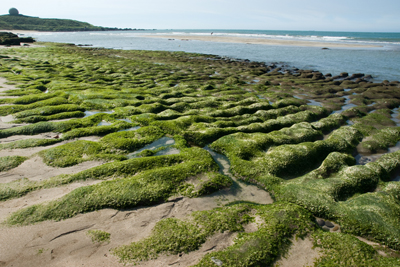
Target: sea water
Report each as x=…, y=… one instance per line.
x=382, y=62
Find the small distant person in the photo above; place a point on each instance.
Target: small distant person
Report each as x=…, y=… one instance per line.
x=211, y=33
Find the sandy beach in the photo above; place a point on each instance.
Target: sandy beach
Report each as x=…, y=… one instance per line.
x=19, y=31
x=259, y=41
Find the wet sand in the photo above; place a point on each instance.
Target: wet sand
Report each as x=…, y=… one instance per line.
x=259, y=41
x=24, y=32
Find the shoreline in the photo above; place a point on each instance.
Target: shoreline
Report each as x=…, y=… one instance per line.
x=274, y=42
x=19, y=31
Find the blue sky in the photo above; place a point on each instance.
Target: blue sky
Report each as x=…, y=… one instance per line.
x=338, y=15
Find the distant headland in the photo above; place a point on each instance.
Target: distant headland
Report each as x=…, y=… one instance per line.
x=16, y=21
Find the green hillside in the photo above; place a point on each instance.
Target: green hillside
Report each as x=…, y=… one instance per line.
x=21, y=22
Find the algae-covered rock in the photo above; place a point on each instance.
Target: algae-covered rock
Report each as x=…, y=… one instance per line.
x=274, y=124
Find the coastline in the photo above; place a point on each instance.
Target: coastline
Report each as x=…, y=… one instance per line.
x=19, y=31
x=274, y=42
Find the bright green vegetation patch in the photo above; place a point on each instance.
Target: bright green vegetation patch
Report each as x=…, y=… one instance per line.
x=261, y=157
x=29, y=143
x=10, y=162
x=146, y=188
x=377, y=119
x=109, y=148
x=204, y=184
x=343, y=193
x=276, y=226
x=381, y=140
x=99, y=236
x=374, y=216
x=17, y=188
x=59, y=116
x=34, y=108
x=172, y=236
x=106, y=171
x=131, y=140
x=76, y=152
x=43, y=127
x=346, y=250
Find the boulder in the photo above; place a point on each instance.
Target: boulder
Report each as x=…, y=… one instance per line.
x=321, y=222
x=318, y=76
x=329, y=224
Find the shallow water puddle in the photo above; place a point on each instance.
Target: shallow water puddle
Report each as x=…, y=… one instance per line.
x=221, y=160
x=127, y=120
x=90, y=113
x=162, y=142
x=104, y=123
x=168, y=151
x=395, y=116
x=130, y=129
x=239, y=190
x=347, y=105
x=364, y=159
x=311, y=102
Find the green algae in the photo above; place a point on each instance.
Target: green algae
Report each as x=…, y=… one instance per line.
x=147, y=188
x=10, y=162
x=76, y=152
x=346, y=196
x=173, y=236
x=43, y=127
x=203, y=99
x=129, y=141
x=99, y=236
x=204, y=184
x=103, y=172
x=5, y=110
x=381, y=140
x=283, y=159
x=346, y=250
x=29, y=143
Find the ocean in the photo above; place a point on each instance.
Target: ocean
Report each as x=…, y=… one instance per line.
x=382, y=62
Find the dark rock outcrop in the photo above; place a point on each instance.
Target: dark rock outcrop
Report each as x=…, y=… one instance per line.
x=8, y=38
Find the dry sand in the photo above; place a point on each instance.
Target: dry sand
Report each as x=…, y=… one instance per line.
x=275, y=42
x=4, y=86
x=35, y=170
x=24, y=32
x=301, y=253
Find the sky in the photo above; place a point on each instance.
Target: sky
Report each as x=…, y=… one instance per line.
x=318, y=15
